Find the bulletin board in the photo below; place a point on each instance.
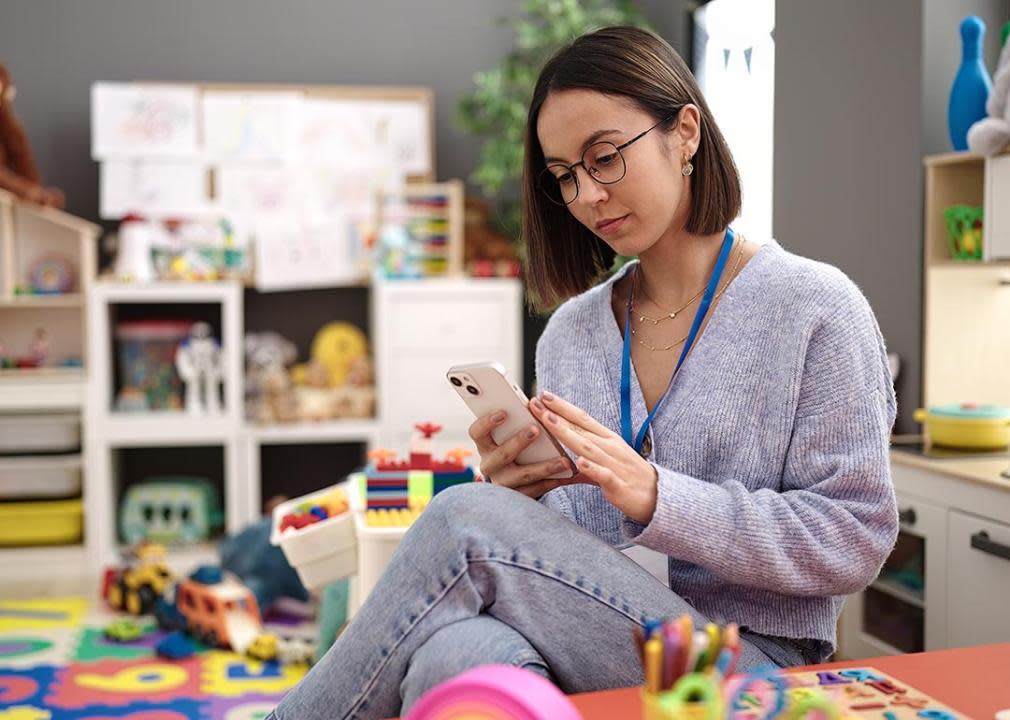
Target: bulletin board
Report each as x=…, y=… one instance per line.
x=296, y=166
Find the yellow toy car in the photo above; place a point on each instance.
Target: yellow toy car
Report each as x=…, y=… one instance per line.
x=264, y=647
x=136, y=587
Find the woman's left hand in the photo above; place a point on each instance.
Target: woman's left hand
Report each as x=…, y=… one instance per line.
x=627, y=479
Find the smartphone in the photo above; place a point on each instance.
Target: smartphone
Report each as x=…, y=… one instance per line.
x=486, y=387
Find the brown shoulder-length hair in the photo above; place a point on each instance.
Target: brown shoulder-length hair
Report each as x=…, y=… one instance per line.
x=563, y=257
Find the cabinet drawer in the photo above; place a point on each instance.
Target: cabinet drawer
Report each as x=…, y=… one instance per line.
x=453, y=322
x=978, y=563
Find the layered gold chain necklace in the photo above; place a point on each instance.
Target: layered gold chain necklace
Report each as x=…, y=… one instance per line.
x=642, y=318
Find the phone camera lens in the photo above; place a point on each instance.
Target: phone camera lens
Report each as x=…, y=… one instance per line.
x=456, y=381
x=472, y=390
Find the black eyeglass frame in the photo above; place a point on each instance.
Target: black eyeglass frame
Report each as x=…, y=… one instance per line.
x=582, y=162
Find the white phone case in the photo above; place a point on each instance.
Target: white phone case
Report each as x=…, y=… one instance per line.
x=495, y=391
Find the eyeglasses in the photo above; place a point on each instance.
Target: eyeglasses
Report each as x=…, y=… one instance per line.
x=602, y=161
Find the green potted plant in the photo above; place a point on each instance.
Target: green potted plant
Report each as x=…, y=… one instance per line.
x=496, y=109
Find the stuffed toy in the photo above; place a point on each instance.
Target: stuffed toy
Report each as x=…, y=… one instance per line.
x=991, y=135
x=18, y=172
x=269, y=392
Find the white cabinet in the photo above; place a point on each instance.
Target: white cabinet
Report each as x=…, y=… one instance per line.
x=904, y=609
x=978, y=608
x=421, y=329
x=954, y=541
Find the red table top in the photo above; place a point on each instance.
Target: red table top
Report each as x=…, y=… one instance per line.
x=974, y=681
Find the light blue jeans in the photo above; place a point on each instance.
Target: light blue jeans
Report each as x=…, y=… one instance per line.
x=487, y=575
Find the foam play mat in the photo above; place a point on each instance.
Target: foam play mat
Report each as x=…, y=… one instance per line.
x=57, y=664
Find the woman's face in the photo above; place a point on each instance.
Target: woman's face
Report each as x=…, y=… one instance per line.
x=653, y=197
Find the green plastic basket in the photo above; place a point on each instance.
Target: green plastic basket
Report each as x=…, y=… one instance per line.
x=964, y=231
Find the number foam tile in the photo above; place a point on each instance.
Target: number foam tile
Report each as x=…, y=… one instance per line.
x=117, y=683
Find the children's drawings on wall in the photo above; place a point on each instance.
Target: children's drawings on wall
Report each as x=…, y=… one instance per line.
x=299, y=173
x=339, y=132
x=251, y=126
x=152, y=187
x=404, y=125
x=143, y=120
x=347, y=192
x=258, y=189
x=290, y=256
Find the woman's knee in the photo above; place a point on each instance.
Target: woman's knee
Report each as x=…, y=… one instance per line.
x=476, y=503
x=463, y=645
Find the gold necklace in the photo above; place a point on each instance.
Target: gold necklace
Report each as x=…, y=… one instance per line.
x=671, y=314
x=641, y=342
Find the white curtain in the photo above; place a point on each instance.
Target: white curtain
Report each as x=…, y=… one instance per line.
x=735, y=66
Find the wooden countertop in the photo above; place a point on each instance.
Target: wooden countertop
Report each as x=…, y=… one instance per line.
x=972, y=681
x=982, y=470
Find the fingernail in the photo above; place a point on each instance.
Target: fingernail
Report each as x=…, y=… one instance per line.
x=497, y=417
x=536, y=404
x=531, y=432
x=547, y=396
x=551, y=417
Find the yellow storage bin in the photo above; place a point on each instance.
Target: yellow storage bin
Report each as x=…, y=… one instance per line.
x=52, y=522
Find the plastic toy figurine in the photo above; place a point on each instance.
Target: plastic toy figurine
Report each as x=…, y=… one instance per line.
x=198, y=361
x=137, y=237
x=39, y=348
x=18, y=172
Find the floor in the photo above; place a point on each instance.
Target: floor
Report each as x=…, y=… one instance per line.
x=56, y=664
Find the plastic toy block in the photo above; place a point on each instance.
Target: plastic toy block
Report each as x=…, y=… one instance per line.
x=386, y=474
x=392, y=517
x=390, y=503
x=420, y=461
x=383, y=483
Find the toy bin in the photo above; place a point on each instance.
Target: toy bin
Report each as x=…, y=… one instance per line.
x=23, y=434
x=323, y=552
x=148, y=379
x=376, y=546
x=52, y=522
x=45, y=476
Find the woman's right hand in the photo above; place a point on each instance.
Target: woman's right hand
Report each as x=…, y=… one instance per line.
x=497, y=462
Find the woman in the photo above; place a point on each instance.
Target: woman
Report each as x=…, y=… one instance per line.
x=759, y=468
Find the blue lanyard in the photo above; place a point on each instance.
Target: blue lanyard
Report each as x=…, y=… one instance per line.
x=713, y=283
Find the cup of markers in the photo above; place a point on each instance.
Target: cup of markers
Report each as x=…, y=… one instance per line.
x=684, y=667
x=689, y=675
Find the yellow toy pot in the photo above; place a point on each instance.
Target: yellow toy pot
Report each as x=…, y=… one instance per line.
x=967, y=426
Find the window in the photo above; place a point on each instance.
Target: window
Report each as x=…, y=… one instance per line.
x=735, y=65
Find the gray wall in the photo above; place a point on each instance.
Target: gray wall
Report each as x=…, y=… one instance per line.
x=55, y=49
x=856, y=108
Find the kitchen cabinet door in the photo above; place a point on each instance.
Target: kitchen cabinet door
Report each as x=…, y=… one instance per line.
x=978, y=599
x=904, y=609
